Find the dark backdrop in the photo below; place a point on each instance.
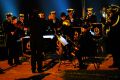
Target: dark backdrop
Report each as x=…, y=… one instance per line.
x=27, y=6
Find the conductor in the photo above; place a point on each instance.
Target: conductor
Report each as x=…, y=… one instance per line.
x=37, y=29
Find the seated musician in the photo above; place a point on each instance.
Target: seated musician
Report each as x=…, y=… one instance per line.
x=76, y=44
x=87, y=46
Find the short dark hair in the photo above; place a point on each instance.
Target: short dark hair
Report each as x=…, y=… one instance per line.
x=14, y=17
x=63, y=14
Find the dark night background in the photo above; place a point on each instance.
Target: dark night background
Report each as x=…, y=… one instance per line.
x=27, y=6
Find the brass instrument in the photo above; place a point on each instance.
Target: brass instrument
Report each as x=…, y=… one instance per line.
x=66, y=23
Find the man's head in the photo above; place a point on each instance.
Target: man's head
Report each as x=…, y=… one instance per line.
x=52, y=15
x=70, y=11
x=9, y=16
x=89, y=11
x=84, y=28
x=14, y=20
x=41, y=15
x=63, y=16
x=21, y=17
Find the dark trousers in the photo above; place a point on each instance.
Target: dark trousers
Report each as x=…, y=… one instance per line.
x=13, y=55
x=80, y=60
x=115, y=55
x=36, y=59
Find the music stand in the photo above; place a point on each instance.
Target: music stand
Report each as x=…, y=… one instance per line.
x=97, y=26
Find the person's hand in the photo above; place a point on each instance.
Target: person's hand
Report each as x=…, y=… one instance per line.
x=21, y=39
x=12, y=33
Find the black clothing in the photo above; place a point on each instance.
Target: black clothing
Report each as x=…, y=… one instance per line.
x=87, y=45
x=91, y=19
x=54, y=25
x=12, y=43
x=114, y=40
x=37, y=30
x=87, y=48
x=21, y=44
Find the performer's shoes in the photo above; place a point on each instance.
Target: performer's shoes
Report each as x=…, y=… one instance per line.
x=11, y=64
x=40, y=71
x=18, y=63
x=33, y=71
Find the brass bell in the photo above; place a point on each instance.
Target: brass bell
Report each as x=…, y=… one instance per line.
x=66, y=23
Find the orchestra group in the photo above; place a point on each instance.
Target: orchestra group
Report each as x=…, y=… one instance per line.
x=84, y=36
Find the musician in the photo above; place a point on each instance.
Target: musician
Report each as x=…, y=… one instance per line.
x=104, y=15
x=6, y=24
x=100, y=39
x=73, y=18
x=8, y=20
x=59, y=46
x=21, y=21
x=21, y=26
x=37, y=29
x=67, y=34
x=75, y=44
x=113, y=36
x=62, y=17
x=87, y=46
x=90, y=17
x=54, y=22
x=66, y=23
x=12, y=37
x=70, y=16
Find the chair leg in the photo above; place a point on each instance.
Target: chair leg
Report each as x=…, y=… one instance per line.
x=97, y=66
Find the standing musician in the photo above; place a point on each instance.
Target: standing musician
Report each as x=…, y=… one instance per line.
x=104, y=19
x=21, y=27
x=71, y=17
x=113, y=35
x=90, y=17
x=21, y=21
x=12, y=32
x=24, y=45
x=54, y=22
x=37, y=29
x=6, y=24
x=62, y=18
